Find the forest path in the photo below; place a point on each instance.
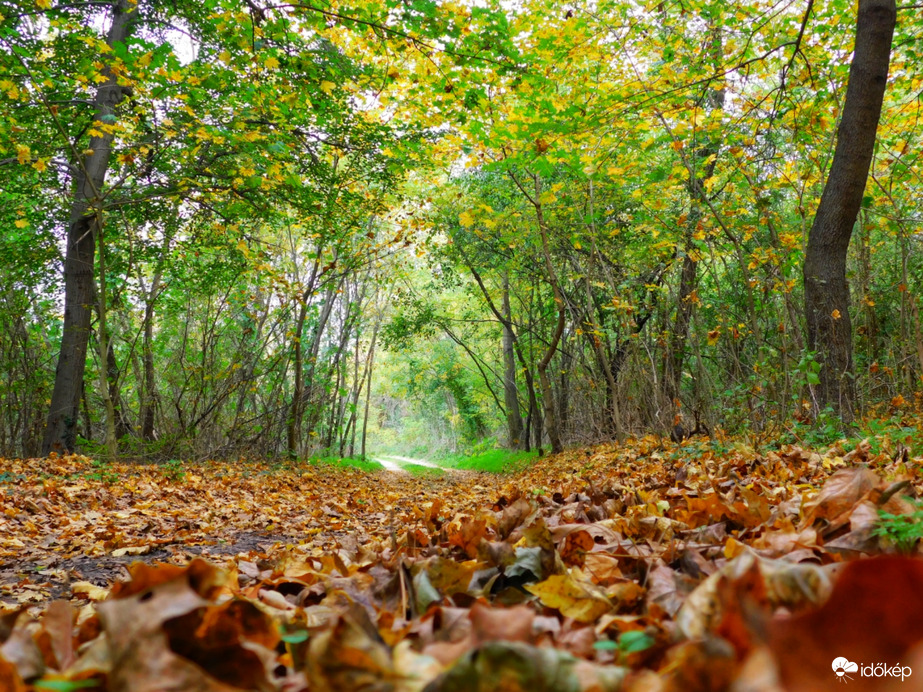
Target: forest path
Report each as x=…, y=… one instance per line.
x=67, y=521
x=393, y=462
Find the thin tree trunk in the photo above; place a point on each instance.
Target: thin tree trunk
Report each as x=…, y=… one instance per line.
x=700, y=166
x=826, y=290
x=148, y=385
x=594, y=333
x=105, y=348
x=147, y=350
x=551, y=418
x=368, y=387
x=533, y=420
x=510, y=391
x=85, y=217
x=294, y=416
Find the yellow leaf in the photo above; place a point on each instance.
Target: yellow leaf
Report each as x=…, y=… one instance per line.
x=91, y=591
x=23, y=153
x=272, y=64
x=465, y=219
x=581, y=601
x=327, y=87
x=224, y=57
x=836, y=314
x=43, y=4
x=733, y=548
x=40, y=165
x=20, y=223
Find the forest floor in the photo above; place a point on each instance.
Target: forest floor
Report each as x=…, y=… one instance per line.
x=644, y=566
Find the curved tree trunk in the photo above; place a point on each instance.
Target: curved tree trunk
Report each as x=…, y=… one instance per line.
x=826, y=290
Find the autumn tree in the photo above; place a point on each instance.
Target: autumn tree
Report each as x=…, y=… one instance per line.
x=827, y=305
x=84, y=226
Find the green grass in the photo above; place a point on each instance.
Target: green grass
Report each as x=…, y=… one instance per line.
x=493, y=461
x=417, y=470
x=347, y=462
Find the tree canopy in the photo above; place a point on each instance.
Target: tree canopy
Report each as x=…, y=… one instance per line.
x=234, y=227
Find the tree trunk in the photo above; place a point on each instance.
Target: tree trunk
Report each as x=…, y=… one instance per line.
x=510, y=391
x=551, y=419
x=533, y=419
x=294, y=417
x=147, y=348
x=826, y=290
x=368, y=389
x=700, y=166
x=107, y=367
x=85, y=217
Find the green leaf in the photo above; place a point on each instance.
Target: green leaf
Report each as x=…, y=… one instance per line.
x=634, y=641
x=64, y=685
x=657, y=175
x=296, y=637
x=605, y=645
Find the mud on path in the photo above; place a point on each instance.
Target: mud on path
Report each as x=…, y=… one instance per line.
x=70, y=519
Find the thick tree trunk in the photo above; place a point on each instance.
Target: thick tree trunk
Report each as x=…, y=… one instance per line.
x=826, y=290
x=85, y=216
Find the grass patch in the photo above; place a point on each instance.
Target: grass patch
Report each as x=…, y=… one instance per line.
x=417, y=470
x=347, y=463
x=493, y=461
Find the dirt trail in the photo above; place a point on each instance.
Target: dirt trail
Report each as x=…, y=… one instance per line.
x=393, y=462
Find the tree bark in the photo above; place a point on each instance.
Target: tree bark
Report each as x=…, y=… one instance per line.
x=826, y=290
x=85, y=217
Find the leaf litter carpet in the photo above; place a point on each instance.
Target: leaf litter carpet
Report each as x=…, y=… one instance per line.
x=645, y=566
